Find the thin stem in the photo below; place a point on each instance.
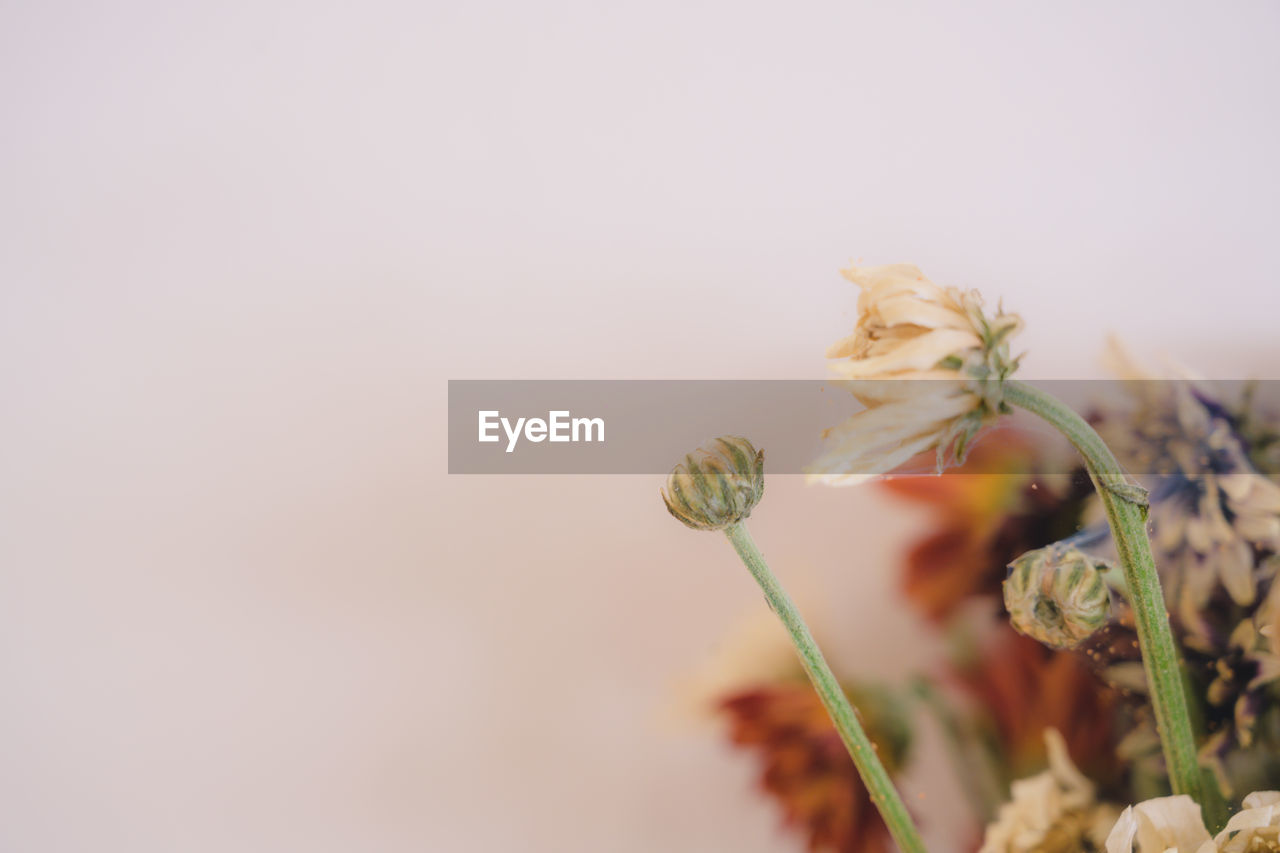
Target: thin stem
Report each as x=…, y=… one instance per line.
x=1126, y=510
x=833, y=697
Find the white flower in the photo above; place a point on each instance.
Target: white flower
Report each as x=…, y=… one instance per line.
x=1254, y=829
x=1174, y=825
x=1159, y=826
x=912, y=329
x=1050, y=812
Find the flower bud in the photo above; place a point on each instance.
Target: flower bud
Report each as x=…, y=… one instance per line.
x=716, y=485
x=1057, y=595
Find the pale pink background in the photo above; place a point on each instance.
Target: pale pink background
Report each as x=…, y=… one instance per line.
x=243, y=246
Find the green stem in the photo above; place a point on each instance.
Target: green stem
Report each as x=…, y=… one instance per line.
x=1126, y=510
x=833, y=697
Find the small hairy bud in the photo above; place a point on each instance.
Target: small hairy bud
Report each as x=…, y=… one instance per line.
x=1057, y=595
x=717, y=485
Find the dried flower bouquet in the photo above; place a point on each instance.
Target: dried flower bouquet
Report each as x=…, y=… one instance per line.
x=1123, y=695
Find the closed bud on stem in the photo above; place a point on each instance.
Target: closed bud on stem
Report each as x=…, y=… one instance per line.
x=1058, y=595
x=717, y=485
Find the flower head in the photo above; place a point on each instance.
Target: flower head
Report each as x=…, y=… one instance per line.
x=1052, y=812
x=1212, y=511
x=754, y=686
x=716, y=485
x=910, y=329
x=1021, y=688
x=1161, y=825
x=1216, y=534
x=1058, y=595
x=805, y=767
x=1174, y=825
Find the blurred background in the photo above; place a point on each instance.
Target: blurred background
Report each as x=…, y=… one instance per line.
x=244, y=245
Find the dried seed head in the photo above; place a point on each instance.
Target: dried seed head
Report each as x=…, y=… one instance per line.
x=1057, y=595
x=716, y=485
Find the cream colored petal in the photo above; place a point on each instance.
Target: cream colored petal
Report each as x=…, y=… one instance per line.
x=920, y=292
x=869, y=340
x=1260, y=529
x=908, y=414
x=1118, y=360
x=881, y=287
x=1197, y=534
x=1192, y=414
x=1235, y=567
x=871, y=444
x=921, y=399
x=873, y=294
x=1170, y=528
x=1251, y=818
x=1264, y=494
x=1022, y=822
x=872, y=276
x=868, y=433
x=1259, y=799
x=883, y=340
x=869, y=462
x=1120, y=839
x=1076, y=789
x=1237, y=486
x=840, y=481
x=912, y=311
x=1170, y=823
x=903, y=386
x=920, y=353
x=1199, y=579
x=845, y=347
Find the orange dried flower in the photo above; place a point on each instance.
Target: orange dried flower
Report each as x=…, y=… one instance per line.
x=988, y=512
x=806, y=768
x=1026, y=688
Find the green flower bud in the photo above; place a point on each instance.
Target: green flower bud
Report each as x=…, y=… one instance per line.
x=1057, y=595
x=716, y=485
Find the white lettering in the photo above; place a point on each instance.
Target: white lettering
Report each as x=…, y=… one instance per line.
x=513, y=435
x=586, y=424
x=559, y=426
x=486, y=425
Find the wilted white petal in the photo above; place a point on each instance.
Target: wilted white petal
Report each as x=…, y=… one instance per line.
x=851, y=466
x=1235, y=566
x=1122, y=834
x=1247, y=819
x=1162, y=825
x=1170, y=823
x=1060, y=799
x=1259, y=799
x=911, y=329
x=873, y=278
x=908, y=310
x=920, y=353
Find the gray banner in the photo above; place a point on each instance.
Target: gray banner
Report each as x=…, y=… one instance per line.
x=646, y=426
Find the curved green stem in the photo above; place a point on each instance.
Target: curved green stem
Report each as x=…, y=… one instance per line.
x=833, y=697
x=1126, y=508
